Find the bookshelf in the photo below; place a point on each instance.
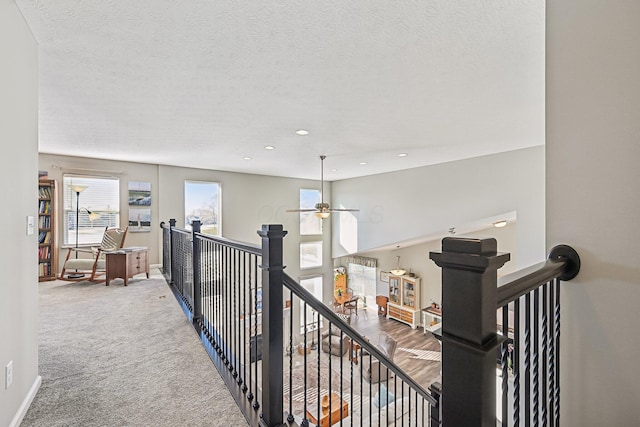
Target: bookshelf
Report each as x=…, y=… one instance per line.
x=47, y=248
x=404, y=300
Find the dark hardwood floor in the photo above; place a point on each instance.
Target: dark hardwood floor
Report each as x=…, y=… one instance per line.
x=417, y=354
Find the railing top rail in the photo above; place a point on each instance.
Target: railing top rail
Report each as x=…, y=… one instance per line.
x=246, y=247
x=323, y=310
x=563, y=263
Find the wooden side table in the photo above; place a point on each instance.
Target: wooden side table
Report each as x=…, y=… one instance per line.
x=339, y=411
x=126, y=263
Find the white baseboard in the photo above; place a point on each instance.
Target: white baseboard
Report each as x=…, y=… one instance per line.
x=22, y=411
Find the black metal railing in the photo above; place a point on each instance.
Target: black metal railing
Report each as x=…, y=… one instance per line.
x=508, y=334
x=272, y=340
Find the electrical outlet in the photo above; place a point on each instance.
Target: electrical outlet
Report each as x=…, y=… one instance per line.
x=9, y=375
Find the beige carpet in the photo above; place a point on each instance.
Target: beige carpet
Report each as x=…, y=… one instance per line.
x=124, y=356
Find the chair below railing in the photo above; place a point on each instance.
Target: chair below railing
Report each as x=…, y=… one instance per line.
x=244, y=306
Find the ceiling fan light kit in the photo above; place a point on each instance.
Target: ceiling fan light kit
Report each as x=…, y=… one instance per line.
x=322, y=210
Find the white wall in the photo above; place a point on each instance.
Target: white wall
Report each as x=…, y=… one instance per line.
x=418, y=202
x=416, y=258
x=18, y=183
x=593, y=203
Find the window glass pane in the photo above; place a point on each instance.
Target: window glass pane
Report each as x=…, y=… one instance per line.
x=310, y=254
x=362, y=280
x=98, y=203
x=309, y=222
x=202, y=202
x=313, y=285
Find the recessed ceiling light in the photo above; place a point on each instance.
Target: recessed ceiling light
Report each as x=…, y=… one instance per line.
x=402, y=155
x=334, y=170
x=269, y=147
x=247, y=158
x=500, y=223
x=302, y=132
x=363, y=163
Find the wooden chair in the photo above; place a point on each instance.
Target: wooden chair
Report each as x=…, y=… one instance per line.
x=93, y=262
x=351, y=305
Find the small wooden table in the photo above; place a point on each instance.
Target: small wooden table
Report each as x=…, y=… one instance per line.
x=339, y=410
x=126, y=263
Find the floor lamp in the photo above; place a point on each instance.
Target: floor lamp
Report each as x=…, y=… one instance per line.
x=77, y=189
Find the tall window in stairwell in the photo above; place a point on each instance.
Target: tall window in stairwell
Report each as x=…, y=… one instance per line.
x=361, y=272
x=310, y=224
x=202, y=203
x=95, y=201
x=313, y=285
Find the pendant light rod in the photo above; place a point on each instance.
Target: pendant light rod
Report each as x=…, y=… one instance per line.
x=322, y=157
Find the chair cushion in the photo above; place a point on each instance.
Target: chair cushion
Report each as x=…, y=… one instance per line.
x=83, y=264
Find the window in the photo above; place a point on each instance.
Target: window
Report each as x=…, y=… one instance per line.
x=310, y=224
x=362, y=277
x=310, y=255
x=95, y=201
x=202, y=202
x=313, y=285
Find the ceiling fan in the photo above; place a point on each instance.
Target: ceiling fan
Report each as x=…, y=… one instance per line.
x=322, y=209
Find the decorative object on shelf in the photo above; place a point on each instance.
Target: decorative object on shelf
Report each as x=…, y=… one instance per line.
x=398, y=271
x=322, y=209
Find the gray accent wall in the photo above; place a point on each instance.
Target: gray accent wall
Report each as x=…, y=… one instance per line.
x=18, y=183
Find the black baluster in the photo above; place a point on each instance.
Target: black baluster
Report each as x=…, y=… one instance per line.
x=545, y=360
x=290, y=418
x=305, y=421
x=527, y=360
x=536, y=347
x=516, y=362
x=504, y=362
x=557, y=355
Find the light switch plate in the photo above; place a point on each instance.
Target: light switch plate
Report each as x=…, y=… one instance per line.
x=8, y=375
x=30, y=225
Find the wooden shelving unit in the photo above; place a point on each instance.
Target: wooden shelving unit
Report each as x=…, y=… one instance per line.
x=404, y=300
x=47, y=247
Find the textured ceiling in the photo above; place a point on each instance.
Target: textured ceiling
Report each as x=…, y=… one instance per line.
x=206, y=83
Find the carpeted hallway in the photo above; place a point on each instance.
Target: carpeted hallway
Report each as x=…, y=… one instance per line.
x=124, y=356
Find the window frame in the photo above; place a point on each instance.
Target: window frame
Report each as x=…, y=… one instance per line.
x=320, y=245
x=108, y=217
x=218, y=211
x=309, y=217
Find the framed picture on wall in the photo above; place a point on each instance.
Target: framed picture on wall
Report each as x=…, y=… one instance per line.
x=139, y=194
x=384, y=276
x=139, y=220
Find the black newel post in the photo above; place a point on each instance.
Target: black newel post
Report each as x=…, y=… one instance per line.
x=469, y=336
x=172, y=224
x=197, y=290
x=272, y=341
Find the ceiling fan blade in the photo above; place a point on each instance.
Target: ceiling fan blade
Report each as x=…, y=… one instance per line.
x=344, y=210
x=301, y=210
